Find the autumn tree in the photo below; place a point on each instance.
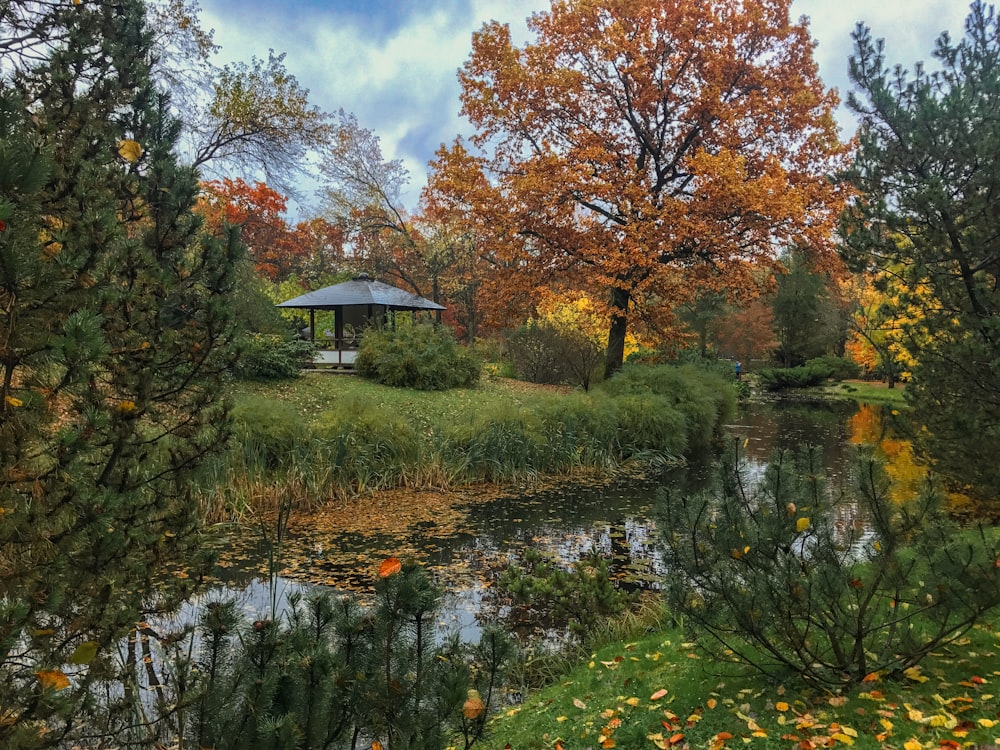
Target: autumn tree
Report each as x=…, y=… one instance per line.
x=248, y=118
x=634, y=142
x=276, y=249
x=362, y=195
x=114, y=343
x=930, y=212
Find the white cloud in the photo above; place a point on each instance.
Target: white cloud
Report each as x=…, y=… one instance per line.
x=398, y=75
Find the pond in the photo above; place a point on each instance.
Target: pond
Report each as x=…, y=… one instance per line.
x=468, y=539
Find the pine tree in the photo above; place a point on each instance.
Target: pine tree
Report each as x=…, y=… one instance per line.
x=114, y=331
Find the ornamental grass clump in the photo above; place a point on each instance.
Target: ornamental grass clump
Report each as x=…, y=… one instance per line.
x=783, y=574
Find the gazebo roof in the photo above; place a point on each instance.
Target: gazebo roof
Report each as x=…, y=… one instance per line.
x=361, y=290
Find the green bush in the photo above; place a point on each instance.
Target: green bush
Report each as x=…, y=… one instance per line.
x=268, y=356
x=780, y=378
x=786, y=576
x=704, y=397
x=544, y=353
x=424, y=357
x=551, y=596
x=841, y=368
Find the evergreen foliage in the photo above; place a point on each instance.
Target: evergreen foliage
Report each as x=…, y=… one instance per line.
x=114, y=313
x=334, y=673
x=780, y=378
x=575, y=598
x=780, y=573
x=421, y=356
x=928, y=215
x=804, y=314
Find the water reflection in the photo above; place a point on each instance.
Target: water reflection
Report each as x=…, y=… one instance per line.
x=573, y=519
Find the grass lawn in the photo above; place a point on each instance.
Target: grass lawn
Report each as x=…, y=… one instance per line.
x=657, y=692
x=865, y=391
x=315, y=392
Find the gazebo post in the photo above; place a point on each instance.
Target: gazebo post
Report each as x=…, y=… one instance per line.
x=312, y=324
x=338, y=326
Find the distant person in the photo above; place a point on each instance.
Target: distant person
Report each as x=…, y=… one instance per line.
x=739, y=370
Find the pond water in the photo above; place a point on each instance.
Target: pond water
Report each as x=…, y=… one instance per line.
x=470, y=543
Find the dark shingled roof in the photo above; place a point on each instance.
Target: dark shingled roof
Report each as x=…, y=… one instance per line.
x=362, y=290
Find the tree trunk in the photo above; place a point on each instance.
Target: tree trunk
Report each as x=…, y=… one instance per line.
x=615, y=355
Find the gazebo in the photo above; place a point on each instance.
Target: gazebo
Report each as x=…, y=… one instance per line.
x=357, y=304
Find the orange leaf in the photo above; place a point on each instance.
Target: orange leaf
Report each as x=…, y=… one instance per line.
x=723, y=736
x=389, y=567
x=52, y=678
x=676, y=738
x=658, y=694
x=607, y=742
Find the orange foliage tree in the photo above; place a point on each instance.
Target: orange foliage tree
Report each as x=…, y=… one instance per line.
x=276, y=250
x=630, y=145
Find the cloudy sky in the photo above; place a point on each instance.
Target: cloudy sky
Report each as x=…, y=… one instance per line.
x=393, y=63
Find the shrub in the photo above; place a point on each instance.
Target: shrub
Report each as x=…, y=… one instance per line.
x=781, y=575
x=264, y=356
x=841, y=368
x=551, y=596
x=424, y=357
x=546, y=353
x=780, y=378
x=705, y=398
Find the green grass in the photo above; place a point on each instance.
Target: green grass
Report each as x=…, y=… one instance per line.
x=865, y=392
x=657, y=691
x=311, y=394
x=321, y=436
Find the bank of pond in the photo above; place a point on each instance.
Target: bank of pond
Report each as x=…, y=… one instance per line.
x=425, y=563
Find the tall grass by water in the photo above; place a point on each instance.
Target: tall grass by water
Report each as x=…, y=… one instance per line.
x=320, y=437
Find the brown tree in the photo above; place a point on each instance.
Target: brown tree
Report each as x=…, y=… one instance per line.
x=637, y=142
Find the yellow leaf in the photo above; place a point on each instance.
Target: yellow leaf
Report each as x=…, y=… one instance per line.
x=52, y=678
x=561, y=718
x=912, y=744
x=849, y=731
x=781, y=706
x=129, y=150
x=886, y=724
x=84, y=653
x=632, y=701
x=802, y=524
x=15, y=402
x=913, y=673
x=841, y=737
x=988, y=723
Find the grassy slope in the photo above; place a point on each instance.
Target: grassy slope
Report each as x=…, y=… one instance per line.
x=314, y=393
x=657, y=692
